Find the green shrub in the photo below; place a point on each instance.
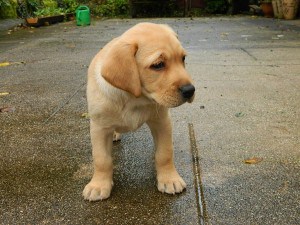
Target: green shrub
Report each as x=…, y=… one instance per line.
x=26, y=8
x=112, y=8
x=49, y=4
x=68, y=5
x=48, y=11
x=33, y=5
x=4, y=3
x=8, y=9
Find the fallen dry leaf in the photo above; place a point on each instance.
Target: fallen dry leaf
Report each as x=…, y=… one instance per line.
x=284, y=188
x=4, y=93
x=7, y=109
x=4, y=64
x=85, y=115
x=253, y=160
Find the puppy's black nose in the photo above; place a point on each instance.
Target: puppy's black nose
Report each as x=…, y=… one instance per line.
x=187, y=91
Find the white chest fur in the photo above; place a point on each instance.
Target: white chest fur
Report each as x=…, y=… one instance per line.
x=132, y=118
x=117, y=109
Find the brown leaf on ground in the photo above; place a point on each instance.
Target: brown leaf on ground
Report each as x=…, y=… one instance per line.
x=253, y=160
x=284, y=188
x=7, y=109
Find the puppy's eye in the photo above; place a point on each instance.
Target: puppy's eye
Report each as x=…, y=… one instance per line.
x=183, y=58
x=158, y=66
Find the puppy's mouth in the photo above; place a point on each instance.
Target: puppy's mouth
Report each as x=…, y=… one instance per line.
x=172, y=99
x=186, y=94
x=190, y=100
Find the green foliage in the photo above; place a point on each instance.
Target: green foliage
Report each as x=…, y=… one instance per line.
x=197, y=12
x=216, y=6
x=32, y=6
x=48, y=11
x=38, y=8
x=49, y=4
x=69, y=6
x=4, y=3
x=8, y=9
x=26, y=8
x=112, y=8
x=51, y=8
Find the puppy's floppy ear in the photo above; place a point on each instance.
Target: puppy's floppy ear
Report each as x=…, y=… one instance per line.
x=119, y=67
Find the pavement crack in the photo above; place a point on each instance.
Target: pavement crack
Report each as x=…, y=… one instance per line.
x=248, y=53
x=201, y=205
x=63, y=104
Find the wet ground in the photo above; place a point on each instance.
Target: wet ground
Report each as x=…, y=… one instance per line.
x=247, y=76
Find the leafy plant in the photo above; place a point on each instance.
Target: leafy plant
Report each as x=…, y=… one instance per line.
x=33, y=6
x=112, y=8
x=49, y=3
x=196, y=12
x=26, y=8
x=68, y=5
x=7, y=9
x=38, y=8
x=4, y=3
x=48, y=11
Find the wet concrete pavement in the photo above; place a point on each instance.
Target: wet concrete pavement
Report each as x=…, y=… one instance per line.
x=247, y=74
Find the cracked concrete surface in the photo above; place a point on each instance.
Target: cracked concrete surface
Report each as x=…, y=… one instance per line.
x=247, y=76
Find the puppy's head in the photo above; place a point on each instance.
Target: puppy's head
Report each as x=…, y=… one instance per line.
x=148, y=60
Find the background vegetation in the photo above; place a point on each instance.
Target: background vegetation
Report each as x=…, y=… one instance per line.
x=102, y=8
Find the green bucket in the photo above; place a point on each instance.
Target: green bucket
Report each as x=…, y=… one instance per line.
x=83, y=16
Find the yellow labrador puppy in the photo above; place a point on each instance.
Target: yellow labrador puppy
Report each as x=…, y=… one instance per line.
x=133, y=80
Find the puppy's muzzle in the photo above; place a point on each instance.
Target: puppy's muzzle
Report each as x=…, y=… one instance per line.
x=187, y=92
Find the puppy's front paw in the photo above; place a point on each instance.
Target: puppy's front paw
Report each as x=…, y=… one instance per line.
x=170, y=184
x=97, y=190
